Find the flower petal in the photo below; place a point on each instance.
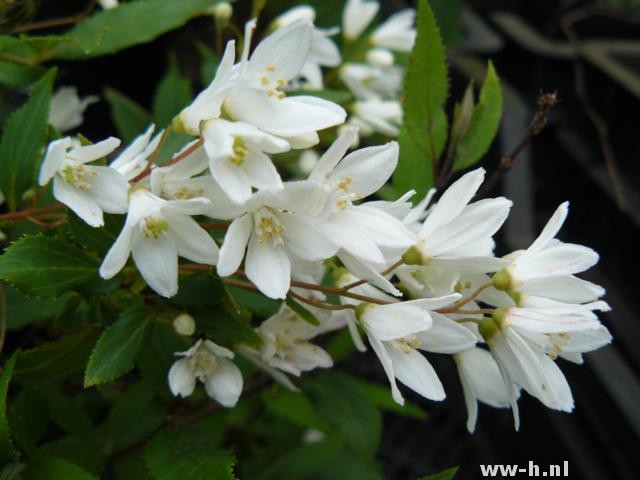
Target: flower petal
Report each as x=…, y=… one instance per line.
x=53, y=160
x=445, y=336
x=117, y=256
x=269, y=268
x=182, y=381
x=234, y=245
x=381, y=351
x=225, y=384
x=80, y=202
x=191, y=240
x=415, y=371
x=157, y=262
x=396, y=320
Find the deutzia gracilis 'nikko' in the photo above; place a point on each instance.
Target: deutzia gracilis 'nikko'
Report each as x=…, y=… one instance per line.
x=411, y=279
x=155, y=233
x=210, y=364
x=86, y=189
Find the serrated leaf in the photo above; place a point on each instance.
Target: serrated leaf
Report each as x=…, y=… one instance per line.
x=55, y=360
x=24, y=310
x=343, y=404
x=199, y=290
x=425, y=91
x=130, y=24
x=189, y=454
x=19, y=75
x=118, y=347
x=172, y=95
x=302, y=312
x=46, y=266
x=6, y=449
x=98, y=240
x=52, y=468
x=484, y=123
x=129, y=117
x=23, y=140
x=447, y=474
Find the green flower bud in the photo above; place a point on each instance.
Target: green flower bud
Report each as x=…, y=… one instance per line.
x=502, y=280
x=412, y=256
x=488, y=329
x=184, y=324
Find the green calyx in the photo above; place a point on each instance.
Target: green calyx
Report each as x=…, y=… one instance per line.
x=412, y=256
x=360, y=309
x=489, y=326
x=502, y=280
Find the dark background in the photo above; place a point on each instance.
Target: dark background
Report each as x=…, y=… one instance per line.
x=565, y=162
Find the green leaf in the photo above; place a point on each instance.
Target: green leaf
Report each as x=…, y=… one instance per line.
x=98, y=240
x=130, y=24
x=130, y=118
x=81, y=451
x=254, y=302
x=341, y=97
x=223, y=328
x=171, y=96
x=341, y=401
x=302, y=312
x=24, y=310
x=19, y=75
x=199, y=290
x=209, y=63
x=28, y=418
x=118, y=347
x=68, y=412
x=484, y=123
x=55, y=360
x=294, y=407
x=425, y=92
x=447, y=474
x=46, y=266
x=23, y=140
x=6, y=449
x=132, y=418
x=188, y=454
x=52, y=468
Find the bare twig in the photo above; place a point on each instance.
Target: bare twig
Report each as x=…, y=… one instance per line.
x=57, y=22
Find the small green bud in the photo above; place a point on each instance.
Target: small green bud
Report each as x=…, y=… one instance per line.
x=177, y=125
x=412, y=256
x=499, y=316
x=517, y=297
x=184, y=324
x=502, y=280
x=487, y=328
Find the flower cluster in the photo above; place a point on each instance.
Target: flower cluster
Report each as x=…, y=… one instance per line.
x=505, y=320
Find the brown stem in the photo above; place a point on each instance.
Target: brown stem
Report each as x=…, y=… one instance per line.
x=362, y=282
x=154, y=155
x=473, y=296
x=480, y=311
x=546, y=101
x=317, y=304
x=214, y=226
x=29, y=212
x=56, y=22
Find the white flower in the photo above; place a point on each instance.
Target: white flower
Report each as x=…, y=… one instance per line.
x=458, y=233
x=133, y=160
x=323, y=51
x=481, y=381
x=88, y=190
x=373, y=115
x=371, y=82
x=258, y=96
x=397, y=330
x=285, y=342
x=356, y=17
x=547, y=267
x=526, y=341
x=108, y=4
x=275, y=230
x=362, y=232
x=67, y=109
x=211, y=364
x=155, y=233
x=238, y=160
x=397, y=32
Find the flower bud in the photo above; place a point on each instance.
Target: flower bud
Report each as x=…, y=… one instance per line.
x=380, y=57
x=463, y=112
x=222, y=11
x=502, y=280
x=184, y=324
x=488, y=329
x=412, y=256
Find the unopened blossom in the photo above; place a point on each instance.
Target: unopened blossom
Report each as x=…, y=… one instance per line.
x=210, y=364
x=258, y=95
x=373, y=115
x=356, y=17
x=286, y=342
x=155, y=232
x=133, y=160
x=276, y=230
x=88, y=190
x=372, y=82
x=547, y=267
x=238, y=159
x=397, y=330
x=380, y=57
x=184, y=324
x=67, y=108
x=323, y=51
x=481, y=382
x=108, y=4
x=397, y=32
